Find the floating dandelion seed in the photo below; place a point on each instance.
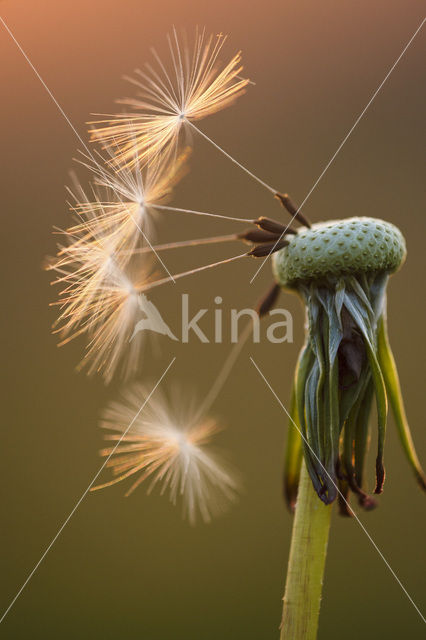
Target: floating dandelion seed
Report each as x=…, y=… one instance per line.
x=117, y=310
x=101, y=298
x=127, y=200
x=198, y=88
x=168, y=445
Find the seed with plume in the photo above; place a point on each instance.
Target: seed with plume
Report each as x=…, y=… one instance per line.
x=167, y=445
x=198, y=87
x=126, y=197
x=100, y=297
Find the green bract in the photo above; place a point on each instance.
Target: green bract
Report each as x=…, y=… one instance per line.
x=341, y=270
x=338, y=247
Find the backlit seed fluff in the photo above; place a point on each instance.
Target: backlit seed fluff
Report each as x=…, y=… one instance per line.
x=198, y=86
x=167, y=445
x=101, y=298
x=126, y=197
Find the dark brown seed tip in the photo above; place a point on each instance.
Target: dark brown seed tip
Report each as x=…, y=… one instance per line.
x=267, y=302
x=267, y=224
x=258, y=235
x=274, y=227
x=293, y=210
x=261, y=251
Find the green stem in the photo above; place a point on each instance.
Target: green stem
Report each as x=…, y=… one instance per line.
x=306, y=564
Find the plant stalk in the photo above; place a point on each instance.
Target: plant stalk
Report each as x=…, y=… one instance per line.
x=306, y=563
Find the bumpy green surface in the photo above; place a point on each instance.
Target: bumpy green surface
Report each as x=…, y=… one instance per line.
x=338, y=247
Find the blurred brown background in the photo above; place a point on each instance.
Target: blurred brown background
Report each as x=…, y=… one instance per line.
x=127, y=568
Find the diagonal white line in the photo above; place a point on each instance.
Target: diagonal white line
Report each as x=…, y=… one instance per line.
x=46, y=87
x=340, y=493
x=83, y=495
x=225, y=153
x=335, y=154
x=154, y=251
x=79, y=138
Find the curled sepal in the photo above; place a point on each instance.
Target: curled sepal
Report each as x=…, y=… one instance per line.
x=355, y=443
x=361, y=439
x=363, y=323
x=293, y=455
x=313, y=463
x=390, y=374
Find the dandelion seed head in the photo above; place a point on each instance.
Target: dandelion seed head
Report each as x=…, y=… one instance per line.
x=168, y=445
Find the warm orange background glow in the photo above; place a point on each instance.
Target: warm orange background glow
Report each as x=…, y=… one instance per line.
x=127, y=568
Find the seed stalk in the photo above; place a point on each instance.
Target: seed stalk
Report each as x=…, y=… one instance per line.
x=306, y=563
